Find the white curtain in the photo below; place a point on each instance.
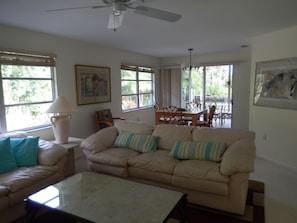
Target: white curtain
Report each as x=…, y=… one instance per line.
x=170, y=87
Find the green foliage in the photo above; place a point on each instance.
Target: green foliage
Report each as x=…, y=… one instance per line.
x=23, y=85
x=216, y=86
x=137, y=89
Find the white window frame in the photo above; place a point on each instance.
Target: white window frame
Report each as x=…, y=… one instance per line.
x=21, y=58
x=138, y=69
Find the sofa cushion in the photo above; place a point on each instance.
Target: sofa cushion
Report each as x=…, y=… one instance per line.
x=25, y=150
x=134, y=127
x=7, y=160
x=211, y=151
x=200, y=169
x=3, y=191
x=229, y=136
x=158, y=161
x=49, y=153
x=100, y=140
x=137, y=142
x=113, y=157
x=200, y=175
x=145, y=175
x=206, y=187
x=26, y=176
x=169, y=134
x=239, y=157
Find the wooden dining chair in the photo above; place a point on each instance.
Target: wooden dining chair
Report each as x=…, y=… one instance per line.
x=208, y=122
x=104, y=118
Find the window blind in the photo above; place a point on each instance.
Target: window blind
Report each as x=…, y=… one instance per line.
x=26, y=59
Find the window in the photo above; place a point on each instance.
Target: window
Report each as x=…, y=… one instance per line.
x=137, y=87
x=27, y=88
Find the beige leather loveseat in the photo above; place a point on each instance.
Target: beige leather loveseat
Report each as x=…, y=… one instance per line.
x=19, y=183
x=214, y=179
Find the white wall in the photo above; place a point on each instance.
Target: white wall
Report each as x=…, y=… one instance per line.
x=70, y=52
x=275, y=128
x=241, y=79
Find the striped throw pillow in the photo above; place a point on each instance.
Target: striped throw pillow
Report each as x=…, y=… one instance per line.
x=193, y=150
x=137, y=142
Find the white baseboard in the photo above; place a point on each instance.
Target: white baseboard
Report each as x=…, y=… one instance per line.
x=280, y=164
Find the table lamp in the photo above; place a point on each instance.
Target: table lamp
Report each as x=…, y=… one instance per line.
x=62, y=110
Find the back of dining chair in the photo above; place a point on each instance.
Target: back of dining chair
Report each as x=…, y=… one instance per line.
x=157, y=107
x=210, y=115
x=212, y=111
x=105, y=119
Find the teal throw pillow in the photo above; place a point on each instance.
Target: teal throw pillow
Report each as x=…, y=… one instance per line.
x=25, y=150
x=193, y=150
x=7, y=160
x=137, y=142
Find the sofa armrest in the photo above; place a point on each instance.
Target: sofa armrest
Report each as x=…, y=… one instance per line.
x=100, y=140
x=239, y=157
x=49, y=153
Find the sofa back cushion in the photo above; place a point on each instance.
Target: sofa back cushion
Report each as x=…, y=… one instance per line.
x=169, y=134
x=133, y=127
x=138, y=142
x=7, y=160
x=25, y=150
x=49, y=154
x=100, y=140
x=192, y=150
x=226, y=135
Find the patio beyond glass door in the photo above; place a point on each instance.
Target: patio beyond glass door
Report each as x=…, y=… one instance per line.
x=210, y=85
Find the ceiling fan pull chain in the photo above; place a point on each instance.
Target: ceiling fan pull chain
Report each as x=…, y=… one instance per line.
x=114, y=23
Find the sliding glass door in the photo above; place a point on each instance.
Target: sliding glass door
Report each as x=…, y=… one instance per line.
x=209, y=85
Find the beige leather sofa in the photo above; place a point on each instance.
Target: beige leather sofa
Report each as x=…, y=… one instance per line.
x=221, y=185
x=18, y=184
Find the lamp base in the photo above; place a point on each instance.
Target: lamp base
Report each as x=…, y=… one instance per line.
x=61, y=126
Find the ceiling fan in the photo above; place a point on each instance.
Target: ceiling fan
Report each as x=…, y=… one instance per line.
x=119, y=8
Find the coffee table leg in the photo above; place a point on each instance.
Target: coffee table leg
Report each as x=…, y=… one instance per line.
x=182, y=209
x=31, y=211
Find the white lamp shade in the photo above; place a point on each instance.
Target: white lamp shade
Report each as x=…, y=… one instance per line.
x=60, y=105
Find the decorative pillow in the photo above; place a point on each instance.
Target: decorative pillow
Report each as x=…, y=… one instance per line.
x=7, y=160
x=211, y=151
x=137, y=142
x=25, y=150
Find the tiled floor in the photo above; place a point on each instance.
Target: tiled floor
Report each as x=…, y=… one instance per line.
x=218, y=123
x=280, y=191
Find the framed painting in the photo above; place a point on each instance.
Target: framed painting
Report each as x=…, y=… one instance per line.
x=92, y=84
x=276, y=83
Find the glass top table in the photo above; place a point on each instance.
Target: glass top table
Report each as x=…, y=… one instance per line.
x=94, y=197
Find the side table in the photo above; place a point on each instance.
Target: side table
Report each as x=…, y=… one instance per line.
x=69, y=168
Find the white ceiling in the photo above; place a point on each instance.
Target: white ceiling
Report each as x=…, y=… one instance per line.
x=208, y=26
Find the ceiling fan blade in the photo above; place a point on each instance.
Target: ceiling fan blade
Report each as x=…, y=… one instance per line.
x=115, y=22
x=74, y=8
x=157, y=13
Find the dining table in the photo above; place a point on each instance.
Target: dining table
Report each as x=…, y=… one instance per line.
x=193, y=114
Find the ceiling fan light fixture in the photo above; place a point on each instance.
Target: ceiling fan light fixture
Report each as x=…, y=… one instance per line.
x=117, y=12
x=118, y=8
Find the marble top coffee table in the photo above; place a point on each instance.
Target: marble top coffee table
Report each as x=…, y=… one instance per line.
x=94, y=197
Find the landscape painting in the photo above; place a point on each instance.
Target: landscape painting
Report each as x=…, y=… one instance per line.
x=92, y=84
x=276, y=83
